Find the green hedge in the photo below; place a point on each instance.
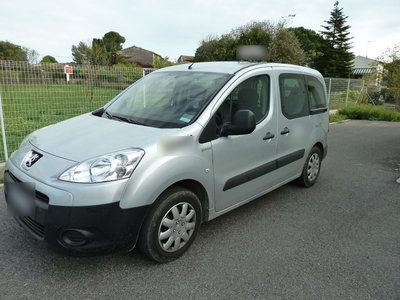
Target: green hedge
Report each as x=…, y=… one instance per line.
x=371, y=112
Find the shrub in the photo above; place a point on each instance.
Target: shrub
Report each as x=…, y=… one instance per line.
x=371, y=112
x=337, y=118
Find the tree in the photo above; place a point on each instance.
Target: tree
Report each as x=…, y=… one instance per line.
x=336, y=59
x=279, y=43
x=82, y=53
x=101, y=52
x=112, y=43
x=31, y=55
x=99, y=55
x=285, y=48
x=48, y=59
x=311, y=42
x=160, y=62
x=391, y=57
x=217, y=49
x=10, y=51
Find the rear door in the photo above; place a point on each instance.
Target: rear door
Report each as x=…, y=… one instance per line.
x=294, y=126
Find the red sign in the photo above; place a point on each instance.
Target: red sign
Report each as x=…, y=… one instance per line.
x=68, y=70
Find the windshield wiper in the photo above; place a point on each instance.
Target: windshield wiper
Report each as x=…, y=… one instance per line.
x=123, y=119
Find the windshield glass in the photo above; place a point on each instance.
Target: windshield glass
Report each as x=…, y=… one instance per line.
x=166, y=99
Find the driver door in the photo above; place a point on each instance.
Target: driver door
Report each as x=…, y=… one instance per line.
x=243, y=164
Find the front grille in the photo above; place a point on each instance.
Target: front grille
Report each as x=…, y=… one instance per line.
x=33, y=227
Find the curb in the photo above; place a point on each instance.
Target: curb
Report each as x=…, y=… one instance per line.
x=338, y=122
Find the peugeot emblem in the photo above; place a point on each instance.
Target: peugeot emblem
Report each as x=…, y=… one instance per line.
x=31, y=158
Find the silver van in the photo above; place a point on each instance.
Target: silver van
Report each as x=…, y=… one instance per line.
x=183, y=145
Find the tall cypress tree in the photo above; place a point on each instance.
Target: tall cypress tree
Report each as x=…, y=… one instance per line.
x=336, y=60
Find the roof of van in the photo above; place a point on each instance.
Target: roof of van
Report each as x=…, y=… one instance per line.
x=230, y=67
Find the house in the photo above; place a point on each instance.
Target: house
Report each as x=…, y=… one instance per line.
x=367, y=68
x=183, y=59
x=142, y=57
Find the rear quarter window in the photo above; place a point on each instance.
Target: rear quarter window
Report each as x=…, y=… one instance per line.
x=316, y=93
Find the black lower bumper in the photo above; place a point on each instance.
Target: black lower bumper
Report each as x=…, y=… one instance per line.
x=80, y=230
x=91, y=229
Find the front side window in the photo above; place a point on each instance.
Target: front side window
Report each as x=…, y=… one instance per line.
x=166, y=99
x=294, y=98
x=252, y=94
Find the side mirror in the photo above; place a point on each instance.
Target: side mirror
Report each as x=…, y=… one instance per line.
x=243, y=122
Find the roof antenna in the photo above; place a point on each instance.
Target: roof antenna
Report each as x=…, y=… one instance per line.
x=190, y=67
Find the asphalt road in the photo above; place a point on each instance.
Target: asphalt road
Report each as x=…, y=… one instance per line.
x=337, y=240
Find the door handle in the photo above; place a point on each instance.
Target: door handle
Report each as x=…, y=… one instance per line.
x=285, y=131
x=268, y=136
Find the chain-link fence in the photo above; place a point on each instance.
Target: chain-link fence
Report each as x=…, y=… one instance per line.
x=342, y=92
x=34, y=96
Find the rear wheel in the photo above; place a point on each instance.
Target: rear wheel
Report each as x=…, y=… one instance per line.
x=311, y=168
x=171, y=226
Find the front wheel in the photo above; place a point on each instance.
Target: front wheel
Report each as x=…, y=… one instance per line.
x=171, y=226
x=311, y=168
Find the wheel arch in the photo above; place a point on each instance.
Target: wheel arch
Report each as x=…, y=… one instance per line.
x=198, y=189
x=321, y=148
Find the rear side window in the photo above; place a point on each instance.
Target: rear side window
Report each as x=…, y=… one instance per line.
x=316, y=93
x=294, y=98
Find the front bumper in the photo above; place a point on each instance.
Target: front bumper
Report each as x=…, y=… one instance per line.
x=80, y=229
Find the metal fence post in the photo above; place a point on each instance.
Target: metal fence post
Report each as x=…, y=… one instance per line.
x=348, y=90
x=329, y=90
x=3, y=131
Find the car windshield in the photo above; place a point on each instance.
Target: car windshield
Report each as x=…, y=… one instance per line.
x=166, y=99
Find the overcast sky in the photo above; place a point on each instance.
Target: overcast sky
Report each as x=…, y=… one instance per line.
x=175, y=27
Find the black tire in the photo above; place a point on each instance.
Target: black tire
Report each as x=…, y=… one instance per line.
x=311, y=168
x=153, y=232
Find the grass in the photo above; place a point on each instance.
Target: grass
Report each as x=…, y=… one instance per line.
x=337, y=118
x=27, y=107
x=370, y=112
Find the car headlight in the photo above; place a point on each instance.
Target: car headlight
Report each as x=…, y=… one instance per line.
x=109, y=167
